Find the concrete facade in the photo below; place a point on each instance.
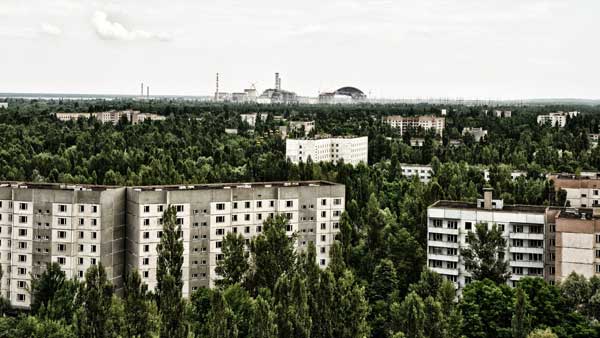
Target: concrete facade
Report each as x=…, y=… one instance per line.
x=556, y=119
x=582, y=191
x=112, y=116
x=414, y=122
x=76, y=226
x=351, y=150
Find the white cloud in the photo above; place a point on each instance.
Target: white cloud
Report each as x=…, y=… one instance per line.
x=49, y=29
x=112, y=30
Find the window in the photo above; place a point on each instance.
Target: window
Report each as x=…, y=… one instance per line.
x=146, y=248
x=323, y=262
x=517, y=270
x=146, y=234
x=80, y=247
x=221, y=206
x=94, y=209
x=337, y=201
x=452, y=238
x=62, y=208
x=159, y=208
x=219, y=257
x=80, y=261
x=62, y=260
x=323, y=226
x=323, y=238
x=323, y=249
x=81, y=208
x=22, y=245
x=289, y=204
x=536, y=229
x=93, y=261
x=81, y=221
x=93, y=248
x=246, y=217
x=437, y=223
x=234, y=218
x=220, y=219
x=235, y=205
x=22, y=258
x=435, y=263
x=468, y=225
x=22, y=219
x=61, y=247
x=517, y=228
x=247, y=205
x=247, y=230
x=62, y=234
x=451, y=265
x=21, y=297
x=179, y=208
x=323, y=213
x=452, y=225
x=146, y=208
x=517, y=256
x=220, y=232
x=259, y=217
x=21, y=271
x=81, y=234
x=145, y=261
x=94, y=235
x=218, y=244
x=179, y=221
x=259, y=228
x=435, y=237
x=146, y=274
x=259, y=204
x=517, y=242
x=289, y=215
x=271, y=204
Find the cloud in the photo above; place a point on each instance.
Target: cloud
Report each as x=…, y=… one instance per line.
x=111, y=30
x=49, y=29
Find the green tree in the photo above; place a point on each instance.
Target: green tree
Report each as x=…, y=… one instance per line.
x=520, y=319
x=139, y=321
x=53, y=295
x=221, y=320
x=434, y=320
x=484, y=257
x=198, y=311
x=352, y=308
x=272, y=253
x=234, y=265
x=539, y=333
x=409, y=316
x=96, y=298
x=263, y=325
x=169, y=278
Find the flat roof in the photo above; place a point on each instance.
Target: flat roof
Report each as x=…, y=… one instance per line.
x=506, y=208
x=242, y=185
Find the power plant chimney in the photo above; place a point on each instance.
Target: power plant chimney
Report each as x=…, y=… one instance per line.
x=142, y=90
x=217, y=89
x=148, y=92
x=277, y=82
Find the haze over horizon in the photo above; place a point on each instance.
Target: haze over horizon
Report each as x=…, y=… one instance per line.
x=395, y=49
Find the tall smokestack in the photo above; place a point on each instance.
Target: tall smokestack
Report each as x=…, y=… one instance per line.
x=277, y=83
x=148, y=92
x=217, y=89
x=142, y=90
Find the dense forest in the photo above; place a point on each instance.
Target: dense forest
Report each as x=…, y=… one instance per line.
x=377, y=284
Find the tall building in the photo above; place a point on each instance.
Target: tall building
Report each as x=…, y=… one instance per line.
x=415, y=122
x=112, y=116
x=523, y=227
x=351, y=150
x=582, y=191
x=478, y=133
x=556, y=119
x=120, y=227
x=208, y=212
x=76, y=226
x=3, y=105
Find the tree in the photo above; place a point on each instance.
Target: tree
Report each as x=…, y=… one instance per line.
x=169, y=278
x=234, y=265
x=352, y=308
x=434, y=320
x=291, y=306
x=576, y=290
x=53, y=295
x=272, y=253
x=199, y=311
x=487, y=309
x=96, y=298
x=539, y=333
x=263, y=325
x=410, y=316
x=139, y=321
x=221, y=323
x=520, y=319
x=484, y=257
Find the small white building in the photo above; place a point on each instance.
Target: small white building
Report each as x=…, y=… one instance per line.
x=298, y=125
x=414, y=122
x=3, y=105
x=351, y=150
x=417, y=142
x=478, y=133
x=556, y=119
x=423, y=172
x=513, y=174
x=251, y=118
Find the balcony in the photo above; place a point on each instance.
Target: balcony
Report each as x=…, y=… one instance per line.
x=447, y=231
x=443, y=258
x=443, y=244
x=525, y=235
x=527, y=264
x=526, y=250
x=444, y=271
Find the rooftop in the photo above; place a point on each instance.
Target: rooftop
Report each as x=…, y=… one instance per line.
x=506, y=208
x=85, y=187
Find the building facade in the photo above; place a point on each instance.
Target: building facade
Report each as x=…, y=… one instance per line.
x=449, y=222
x=556, y=119
x=112, y=116
x=351, y=150
x=582, y=191
x=415, y=122
x=298, y=125
x=422, y=172
x=478, y=133
x=75, y=226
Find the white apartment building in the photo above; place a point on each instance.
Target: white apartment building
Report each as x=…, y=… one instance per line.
x=76, y=226
x=582, y=191
x=415, y=122
x=478, y=133
x=251, y=118
x=593, y=140
x=208, y=212
x=513, y=174
x=422, y=172
x=556, y=119
x=523, y=227
x=351, y=150
x=112, y=116
x=4, y=105
x=298, y=125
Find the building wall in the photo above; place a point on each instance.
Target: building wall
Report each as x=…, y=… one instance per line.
x=415, y=122
x=350, y=150
x=577, y=243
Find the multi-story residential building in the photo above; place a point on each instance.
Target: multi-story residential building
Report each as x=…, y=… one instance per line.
x=513, y=174
x=120, y=227
x=4, y=105
x=298, y=125
x=593, y=140
x=500, y=113
x=582, y=191
x=415, y=122
x=251, y=118
x=478, y=133
x=351, y=150
x=207, y=213
x=112, y=116
x=76, y=226
x=577, y=242
x=522, y=226
x=556, y=119
x=422, y=172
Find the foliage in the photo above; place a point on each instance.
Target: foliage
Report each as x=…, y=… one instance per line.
x=484, y=257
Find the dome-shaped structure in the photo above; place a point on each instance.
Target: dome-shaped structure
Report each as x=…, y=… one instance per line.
x=353, y=92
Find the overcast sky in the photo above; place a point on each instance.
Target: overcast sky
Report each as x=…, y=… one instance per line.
x=389, y=48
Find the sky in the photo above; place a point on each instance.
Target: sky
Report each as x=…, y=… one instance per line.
x=485, y=49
